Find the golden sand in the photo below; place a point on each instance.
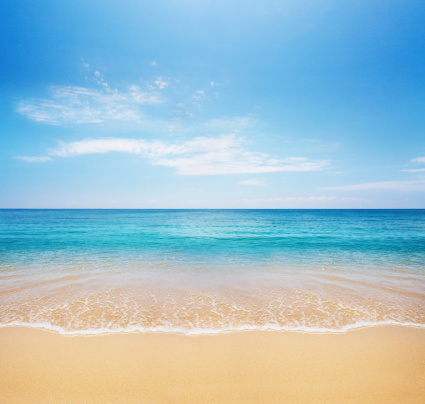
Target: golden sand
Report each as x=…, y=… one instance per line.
x=379, y=364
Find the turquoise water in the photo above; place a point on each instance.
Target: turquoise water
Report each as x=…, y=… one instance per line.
x=211, y=270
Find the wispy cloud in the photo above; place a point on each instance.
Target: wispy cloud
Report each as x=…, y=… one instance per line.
x=100, y=102
x=79, y=105
x=198, y=95
x=82, y=105
x=253, y=181
x=414, y=170
x=204, y=92
x=404, y=185
x=182, y=110
x=223, y=154
x=34, y=159
x=186, y=107
x=150, y=149
x=415, y=185
x=161, y=83
x=288, y=199
x=305, y=198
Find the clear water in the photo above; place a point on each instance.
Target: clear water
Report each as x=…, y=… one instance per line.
x=191, y=271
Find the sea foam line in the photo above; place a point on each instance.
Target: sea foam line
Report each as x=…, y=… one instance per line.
x=205, y=331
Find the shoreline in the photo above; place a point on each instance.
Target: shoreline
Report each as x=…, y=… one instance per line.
x=383, y=363
x=205, y=332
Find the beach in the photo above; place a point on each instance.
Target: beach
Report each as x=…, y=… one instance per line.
x=212, y=306
x=382, y=364
x=212, y=202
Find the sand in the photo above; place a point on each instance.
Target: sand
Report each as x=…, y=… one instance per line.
x=383, y=364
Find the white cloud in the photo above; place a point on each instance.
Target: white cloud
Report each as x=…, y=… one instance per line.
x=141, y=96
x=80, y=105
x=253, y=181
x=161, y=83
x=304, y=201
x=200, y=156
x=416, y=185
x=34, y=159
x=297, y=199
x=182, y=110
x=224, y=155
x=414, y=170
x=73, y=105
x=150, y=149
x=198, y=95
x=354, y=200
x=307, y=198
x=205, y=93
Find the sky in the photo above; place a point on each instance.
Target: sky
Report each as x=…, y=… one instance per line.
x=212, y=104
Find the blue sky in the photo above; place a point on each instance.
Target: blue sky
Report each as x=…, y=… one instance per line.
x=212, y=104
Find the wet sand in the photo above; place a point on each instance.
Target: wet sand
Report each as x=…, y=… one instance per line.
x=384, y=364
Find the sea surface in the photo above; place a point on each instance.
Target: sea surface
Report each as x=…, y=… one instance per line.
x=208, y=271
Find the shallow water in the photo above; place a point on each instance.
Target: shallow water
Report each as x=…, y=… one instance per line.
x=194, y=271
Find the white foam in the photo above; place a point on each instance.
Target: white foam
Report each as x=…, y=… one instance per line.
x=206, y=331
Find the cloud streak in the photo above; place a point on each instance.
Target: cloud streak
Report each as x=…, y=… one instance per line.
x=414, y=185
x=74, y=105
x=70, y=105
x=223, y=154
x=290, y=200
x=253, y=181
x=34, y=159
x=414, y=170
x=301, y=199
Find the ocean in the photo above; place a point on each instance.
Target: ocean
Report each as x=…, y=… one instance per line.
x=210, y=271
